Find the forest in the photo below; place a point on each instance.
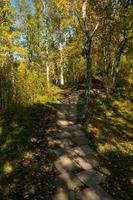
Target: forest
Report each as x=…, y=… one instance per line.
x=66, y=99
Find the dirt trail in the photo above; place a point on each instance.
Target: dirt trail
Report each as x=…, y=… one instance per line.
x=76, y=163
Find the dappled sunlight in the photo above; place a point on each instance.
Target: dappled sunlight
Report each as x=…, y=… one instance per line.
x=75, y=162
x=110, y=119
x=25, y=163
x=109, y=113
x=33, y=140
x=64, y=122
x=7, y=142
x=106, y=147
x=94, y=129
x=29, y=155
x=7, y=168
x=110, y=129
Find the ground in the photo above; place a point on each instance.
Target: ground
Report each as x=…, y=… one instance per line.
x=26, y=167
x=77, y=177
x=47, y=153
x=109, y=128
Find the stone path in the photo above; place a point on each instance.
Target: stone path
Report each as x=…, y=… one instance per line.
x=76, y=177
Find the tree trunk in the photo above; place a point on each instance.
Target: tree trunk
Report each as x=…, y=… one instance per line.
x=56, y=74
x=89, y=75
x=47, y=59
x=83, y=22
x=117, y=61
x=87, y=53
x=61, y=66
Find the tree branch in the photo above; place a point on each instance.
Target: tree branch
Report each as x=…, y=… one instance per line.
x=95, y=29
x=43, y=4
x=79, y=20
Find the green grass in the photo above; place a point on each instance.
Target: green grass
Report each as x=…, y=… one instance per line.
x=110, y=128
x=25, y=160
x=51, y=95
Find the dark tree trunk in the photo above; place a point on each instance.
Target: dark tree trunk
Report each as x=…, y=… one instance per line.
x=89, y=74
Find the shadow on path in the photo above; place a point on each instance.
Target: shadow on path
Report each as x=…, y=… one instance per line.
x=76, y=163
x=45, y=154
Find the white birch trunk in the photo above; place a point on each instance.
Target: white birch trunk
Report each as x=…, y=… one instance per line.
x=47, y=60
x=62, y=82
x=47, y=47
x=47, y=67
x=62, y=76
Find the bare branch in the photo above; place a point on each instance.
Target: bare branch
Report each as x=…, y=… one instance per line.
x=44, y=6
x=79, y=20
x=95, y=29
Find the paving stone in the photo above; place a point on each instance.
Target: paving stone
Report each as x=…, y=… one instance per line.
x=83, y=150
x=87, y=162
x=60, y=151
x=78, y=133
x=66, y=143
x=81, y=140
x=91, y=177
x=67, y=150
x=54, y=142
x=60, y=112
x=76, y=127
x=64, y=134
x=64, y=163
x=78, y=156
x=71, y=146
x=71, y=153
x=61, y=195
x=64, y=123
x=62, y=143
x=67, y=180
x=72, y=115
x=62, y=117
x=95, y=193
x=64, y=195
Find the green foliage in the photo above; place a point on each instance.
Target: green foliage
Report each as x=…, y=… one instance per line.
x=30, y=56
x=28, y=84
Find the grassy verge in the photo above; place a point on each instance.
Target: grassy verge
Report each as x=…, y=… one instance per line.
x=110, y=129
x=25, y=157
